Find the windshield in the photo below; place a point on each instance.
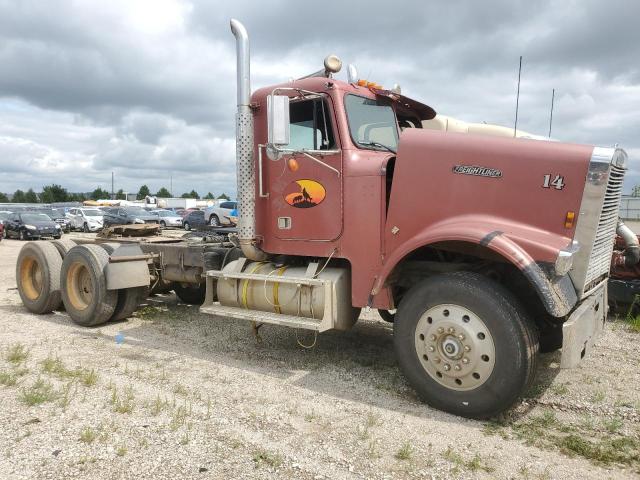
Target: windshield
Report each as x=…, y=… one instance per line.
x=4, y=216
x=371, y=122
x=35, y=217
x=92, y=213
x=136, y=211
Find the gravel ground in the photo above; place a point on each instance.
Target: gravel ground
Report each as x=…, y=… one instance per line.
x=175, y=394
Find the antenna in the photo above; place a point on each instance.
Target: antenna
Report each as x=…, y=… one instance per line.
x=553, y=96
x=515, y=126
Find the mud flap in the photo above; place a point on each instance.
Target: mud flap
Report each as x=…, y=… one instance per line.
x=581, y=330
x=123, y=273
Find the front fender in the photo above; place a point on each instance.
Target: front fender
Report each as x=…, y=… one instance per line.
x=527, y=248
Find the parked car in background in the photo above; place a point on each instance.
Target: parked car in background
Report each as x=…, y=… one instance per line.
x=31, y=226
x=4, y=216
x=187, y=211
x=127, y=216
x=168, y=218
x=85, y=219
x=1, y=231
x=194, y=219
x=58, y=216
x=220, y=214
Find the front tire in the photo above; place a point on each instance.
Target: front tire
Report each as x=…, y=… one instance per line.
x=85, y=228
x=23, y=237
x=163, y=224
x=214, y=221
x=187, y=226
x=465, y=344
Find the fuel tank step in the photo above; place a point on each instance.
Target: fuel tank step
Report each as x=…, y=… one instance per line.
x=264, y=317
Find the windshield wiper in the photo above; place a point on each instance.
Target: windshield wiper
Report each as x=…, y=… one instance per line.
x=376, y=144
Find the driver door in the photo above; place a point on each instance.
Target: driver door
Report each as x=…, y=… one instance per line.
x=305, y=196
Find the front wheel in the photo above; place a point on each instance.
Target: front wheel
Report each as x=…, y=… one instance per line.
x=163, y=224
x=465, y=344
x=214, y=221
x=187, y=226
x=22, y=235
x=85, y=228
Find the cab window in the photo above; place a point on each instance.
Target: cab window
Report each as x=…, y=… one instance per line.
x=371, y=122
x=310, y=125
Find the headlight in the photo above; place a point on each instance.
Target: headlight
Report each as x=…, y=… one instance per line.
x=30, y=227
x=58, y=227
x=138, y=220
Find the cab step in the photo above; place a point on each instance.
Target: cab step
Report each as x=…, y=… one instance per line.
x=264, y=317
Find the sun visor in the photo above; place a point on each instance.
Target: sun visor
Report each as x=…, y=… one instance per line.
x=425, y=112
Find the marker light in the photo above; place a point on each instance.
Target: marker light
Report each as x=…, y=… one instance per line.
x=362, y=83
x=292, y=163
x=568, y=220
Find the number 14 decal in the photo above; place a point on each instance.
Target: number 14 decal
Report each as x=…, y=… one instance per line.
x=557, y=182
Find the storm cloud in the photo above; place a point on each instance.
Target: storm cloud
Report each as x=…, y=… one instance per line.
x=146, y=89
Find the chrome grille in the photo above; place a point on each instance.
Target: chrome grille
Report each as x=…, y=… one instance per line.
x=600, y=258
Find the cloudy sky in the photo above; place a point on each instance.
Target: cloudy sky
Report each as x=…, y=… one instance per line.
x=146, y=88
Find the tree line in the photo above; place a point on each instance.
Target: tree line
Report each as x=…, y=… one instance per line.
x=56, y=194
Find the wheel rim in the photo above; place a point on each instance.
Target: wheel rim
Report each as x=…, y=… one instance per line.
x=214, y=221
x=79, y=286
x=31, y=278
x=22, y=236
x=455, y=347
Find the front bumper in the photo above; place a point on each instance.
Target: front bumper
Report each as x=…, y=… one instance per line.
x=582, y=328
x=94, y=227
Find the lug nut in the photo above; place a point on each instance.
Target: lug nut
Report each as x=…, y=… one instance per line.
x=440, y=330
x=433, y=338
x=461, y=337
x=457, y=368
x=465, y=360
x=432, y=349
x=467, y=348
x=451, y=330
x=447, y=367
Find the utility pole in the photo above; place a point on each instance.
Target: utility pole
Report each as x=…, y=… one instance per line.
x=553, y=97
x=515, y=126
x=171, y=184
x=113, y=197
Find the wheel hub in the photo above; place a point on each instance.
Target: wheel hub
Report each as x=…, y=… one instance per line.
x=455, y=347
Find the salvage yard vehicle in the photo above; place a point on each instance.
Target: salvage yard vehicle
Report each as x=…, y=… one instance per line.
x=220, y=214
x=488, y=248
x=57, y=215
x=85, y=219
x=194, y=218
x=126, y=216
x=167, y=218
x=32, y=226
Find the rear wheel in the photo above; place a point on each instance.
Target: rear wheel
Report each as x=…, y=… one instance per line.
x=128, y=301
x=163, y=224
x=22, y=235
x=84, y=286
x=214, y=221
x=63, y=246
x=465, y=344
x=38, y=277
x=85, y=228
x=191, y=293
x=187, y=226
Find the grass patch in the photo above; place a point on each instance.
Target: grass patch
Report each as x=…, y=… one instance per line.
x=179, y=417
x=121, y=451
x=17, y=353
x=632, y=320
x=88, y=435
x=264, y=457
x=56, y=368
x=603, y=446
x=148, y=312
x=40, y=392
x=405, y=452
x=124, y=403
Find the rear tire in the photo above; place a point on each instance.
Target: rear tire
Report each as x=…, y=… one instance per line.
x=85, y=228
x=191, y=293
x=129, y=299
x=187, y=226
x=163, y=224
x=63, y=246
x=38, y=277
x=23, y=237
x=84, y=286
x=465, y=344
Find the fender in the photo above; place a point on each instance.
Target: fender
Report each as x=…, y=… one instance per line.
x=530, y=249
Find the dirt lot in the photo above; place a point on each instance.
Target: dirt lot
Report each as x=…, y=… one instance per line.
x=175, y=394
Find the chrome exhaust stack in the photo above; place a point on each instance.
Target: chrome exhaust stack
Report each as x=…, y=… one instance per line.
x=245, y=172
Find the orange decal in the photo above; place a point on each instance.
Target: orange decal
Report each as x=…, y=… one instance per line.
x=304, y=193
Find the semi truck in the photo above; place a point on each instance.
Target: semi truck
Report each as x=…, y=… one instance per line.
x=481, y=250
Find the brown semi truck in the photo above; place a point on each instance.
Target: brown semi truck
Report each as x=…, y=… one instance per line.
x=482, y=250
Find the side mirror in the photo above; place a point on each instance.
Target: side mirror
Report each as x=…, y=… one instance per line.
x=278, y=121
